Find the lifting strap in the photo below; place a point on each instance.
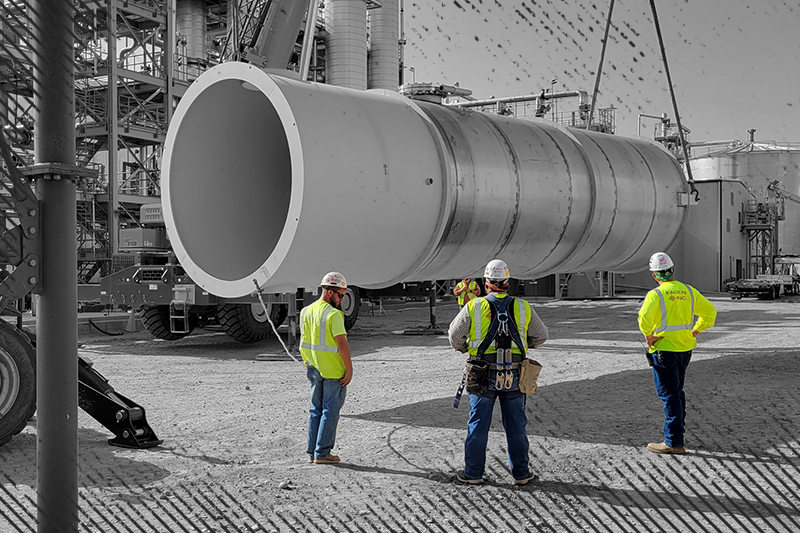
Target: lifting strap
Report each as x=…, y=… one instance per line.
x=502, y=324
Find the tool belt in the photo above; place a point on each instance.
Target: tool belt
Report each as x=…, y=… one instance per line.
x=528, y=376
x=477, y=376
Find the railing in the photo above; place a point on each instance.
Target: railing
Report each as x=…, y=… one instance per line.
x=604, y=119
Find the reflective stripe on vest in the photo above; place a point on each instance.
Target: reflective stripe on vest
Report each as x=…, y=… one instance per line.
x=476, y=323
x=322, y=346
x=663, y=305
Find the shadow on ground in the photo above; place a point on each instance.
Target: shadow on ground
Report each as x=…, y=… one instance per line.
x=742, y=402
x=99, y=464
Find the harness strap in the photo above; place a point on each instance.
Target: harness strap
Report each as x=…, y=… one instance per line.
x=513, y=366
x=502, y=323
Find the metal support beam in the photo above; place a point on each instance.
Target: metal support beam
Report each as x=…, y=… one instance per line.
x=57, y=316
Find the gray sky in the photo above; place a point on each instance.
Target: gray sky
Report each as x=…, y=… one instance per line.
x=735, y=63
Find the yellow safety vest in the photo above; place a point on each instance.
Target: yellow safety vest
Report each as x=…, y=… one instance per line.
x=320, y=324
x=669, y=310
x=469, y=295
x=482, y=318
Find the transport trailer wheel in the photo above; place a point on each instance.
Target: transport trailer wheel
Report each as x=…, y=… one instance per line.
x=156, y=320
x=17, y=381
x=350, y=306
x=248, y=323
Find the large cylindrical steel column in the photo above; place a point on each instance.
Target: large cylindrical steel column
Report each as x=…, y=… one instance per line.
x=57, y=315
x=384, y=48
x=346, y=43
x=304, y=178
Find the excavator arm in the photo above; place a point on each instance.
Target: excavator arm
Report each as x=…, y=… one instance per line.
x=20, y=274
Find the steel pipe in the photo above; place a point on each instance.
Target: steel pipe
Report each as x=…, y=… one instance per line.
x=279, y=181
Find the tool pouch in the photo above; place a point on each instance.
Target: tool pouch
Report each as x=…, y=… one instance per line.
x=528, y=375
x=477, y=376
x=649, y=357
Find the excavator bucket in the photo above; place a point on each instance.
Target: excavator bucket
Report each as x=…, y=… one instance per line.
x=118, y=414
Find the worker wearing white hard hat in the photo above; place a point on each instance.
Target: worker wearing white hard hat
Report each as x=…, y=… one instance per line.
x=326, y=353
x=496, y=331
x=666, y=319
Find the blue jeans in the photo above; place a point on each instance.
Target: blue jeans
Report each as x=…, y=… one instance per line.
x=669, y=372
x=327, y=398
x=515, y=422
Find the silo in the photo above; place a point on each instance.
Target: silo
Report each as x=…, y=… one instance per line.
x=191, y=26
x=758, y=164
x=384, y=52
x=346, y=43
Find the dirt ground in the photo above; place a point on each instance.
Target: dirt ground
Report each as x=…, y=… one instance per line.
x=233, y=419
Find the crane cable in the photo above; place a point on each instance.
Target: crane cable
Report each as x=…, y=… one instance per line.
x=669, y=83
x=600, y=65
x=674, y=103
x=269, y=319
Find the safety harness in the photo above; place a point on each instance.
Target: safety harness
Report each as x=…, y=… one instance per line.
x=503, y=331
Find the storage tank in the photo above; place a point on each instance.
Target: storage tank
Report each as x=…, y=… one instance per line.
x=190, y=18
x=384, y=51
x=758, y=164
x=271, y=182
x=346, y=43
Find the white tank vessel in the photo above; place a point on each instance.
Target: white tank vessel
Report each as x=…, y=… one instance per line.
x=272, y=182
x=757, y=165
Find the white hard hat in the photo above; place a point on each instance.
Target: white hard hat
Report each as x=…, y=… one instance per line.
x=496, y=269
x=334, y=279
x=660, y=261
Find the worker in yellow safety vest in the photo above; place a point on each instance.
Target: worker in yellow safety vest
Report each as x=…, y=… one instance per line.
x=323, y=345
x=666, y=319
x=496, y=331
x=466, y=290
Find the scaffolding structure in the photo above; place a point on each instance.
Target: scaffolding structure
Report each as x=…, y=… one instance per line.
x=760, y=223
x=131, y=66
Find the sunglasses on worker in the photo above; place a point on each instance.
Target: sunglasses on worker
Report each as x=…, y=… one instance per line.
x=337, y=293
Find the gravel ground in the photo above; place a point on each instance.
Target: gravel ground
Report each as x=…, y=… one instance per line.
x=233, y=420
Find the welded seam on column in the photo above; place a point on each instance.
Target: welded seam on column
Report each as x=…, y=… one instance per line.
x=450, y=169
x=595, y=186
x=653, y=182
x=565, y=226
x=512, y=226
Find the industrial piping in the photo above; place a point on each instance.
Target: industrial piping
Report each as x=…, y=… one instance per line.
x=277, y=180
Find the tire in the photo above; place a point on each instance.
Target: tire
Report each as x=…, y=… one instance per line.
x=350, y=307
x=156, y=320
x=17, y=381
x=248, y=323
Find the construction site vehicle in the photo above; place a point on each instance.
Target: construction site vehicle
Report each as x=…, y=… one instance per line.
x=171, y=305
x=20, y=258
x=785, y=279
x=763, y=287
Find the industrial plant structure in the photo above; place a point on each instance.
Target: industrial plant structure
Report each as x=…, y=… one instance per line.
x=276, y=132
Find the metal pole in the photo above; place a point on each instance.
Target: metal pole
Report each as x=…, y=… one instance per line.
x=57, y=317
x=432, y=296
x=309, y=48
x=112, y=114
x=600, y=65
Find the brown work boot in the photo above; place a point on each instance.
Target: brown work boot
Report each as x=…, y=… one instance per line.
x=662, y=448
x=330, y=458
